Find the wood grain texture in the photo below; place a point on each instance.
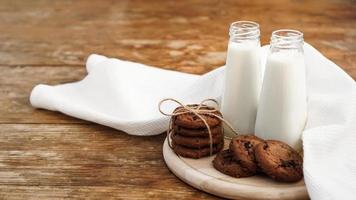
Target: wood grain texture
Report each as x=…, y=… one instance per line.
x=189, y=36
x=84, y=161
x=47, y=155
x=16, y=85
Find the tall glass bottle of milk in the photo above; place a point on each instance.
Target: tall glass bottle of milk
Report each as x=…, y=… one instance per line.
x=243, y=77
x=282, y=109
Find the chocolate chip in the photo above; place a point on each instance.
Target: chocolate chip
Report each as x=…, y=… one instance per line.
x=247, y=145
x=228, y=157
x=288, y=163
x=265, y=146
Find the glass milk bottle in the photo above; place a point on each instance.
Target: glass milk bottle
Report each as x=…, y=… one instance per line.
x=282, y=109
x=243, y=77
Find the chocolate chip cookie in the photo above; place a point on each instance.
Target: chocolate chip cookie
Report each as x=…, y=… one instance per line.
x=194, y=152
x=242, y=149
x=192, y=121
x=196, y=142
x=279, y=161
x=226, y=164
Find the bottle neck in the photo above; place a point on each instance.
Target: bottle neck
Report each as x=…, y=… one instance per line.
x=286, y=40
x=244, y=31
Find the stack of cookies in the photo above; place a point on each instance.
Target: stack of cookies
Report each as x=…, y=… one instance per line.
x=190, y=136
x=248, y=155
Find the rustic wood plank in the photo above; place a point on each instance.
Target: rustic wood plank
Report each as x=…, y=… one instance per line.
x=85, y=161
x=98, y=192
x=16, y=85
x=192, y=37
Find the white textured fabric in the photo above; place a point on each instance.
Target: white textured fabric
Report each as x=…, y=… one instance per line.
x=125, y=95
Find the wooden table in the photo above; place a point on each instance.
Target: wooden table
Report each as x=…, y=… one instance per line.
x=47, y=155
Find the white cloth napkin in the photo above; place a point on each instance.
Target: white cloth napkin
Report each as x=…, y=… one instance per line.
x=125, y=95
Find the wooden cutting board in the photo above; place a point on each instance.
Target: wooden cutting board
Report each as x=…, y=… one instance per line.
x=201, y=174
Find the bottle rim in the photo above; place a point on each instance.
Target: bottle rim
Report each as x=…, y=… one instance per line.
x=287, y=34
x=286, y=38
x=244, y=30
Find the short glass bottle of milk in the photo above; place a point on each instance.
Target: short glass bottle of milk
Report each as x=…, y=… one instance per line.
x=282, y=110
x=243, y=77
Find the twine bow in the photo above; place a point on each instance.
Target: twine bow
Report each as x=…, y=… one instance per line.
x=198, y=110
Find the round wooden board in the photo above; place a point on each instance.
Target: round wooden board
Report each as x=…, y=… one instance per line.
x=201, y=174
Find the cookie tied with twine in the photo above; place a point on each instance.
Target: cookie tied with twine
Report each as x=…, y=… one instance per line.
x=204, y=117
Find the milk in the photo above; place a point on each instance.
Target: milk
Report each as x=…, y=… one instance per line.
x=282, y=110
x=243, y=78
